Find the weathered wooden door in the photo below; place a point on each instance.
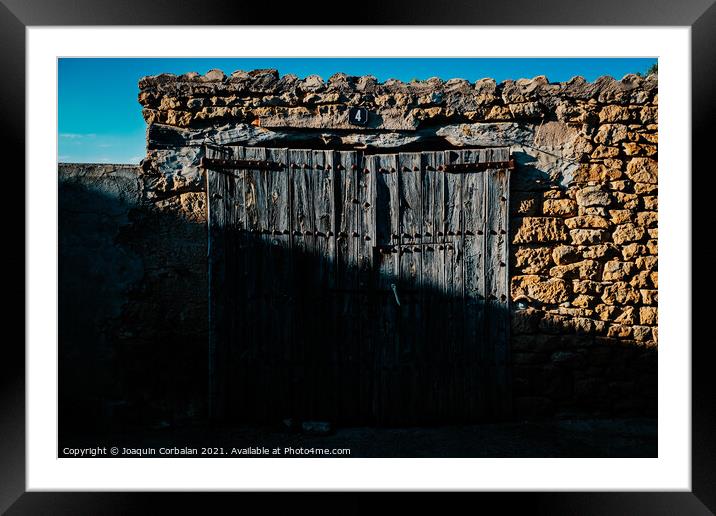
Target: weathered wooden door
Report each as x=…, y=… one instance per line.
x=358, y=288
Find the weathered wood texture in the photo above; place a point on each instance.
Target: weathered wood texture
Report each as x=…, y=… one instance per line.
x=360, y=289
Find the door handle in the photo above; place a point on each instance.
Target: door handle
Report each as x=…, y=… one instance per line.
x=395, y=293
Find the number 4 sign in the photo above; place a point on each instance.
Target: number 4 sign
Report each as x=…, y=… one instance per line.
x=358, y=116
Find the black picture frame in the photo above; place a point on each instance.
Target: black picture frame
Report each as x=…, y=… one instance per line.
x=16, y=15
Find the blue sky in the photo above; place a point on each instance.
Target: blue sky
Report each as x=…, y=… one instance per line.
x=100, y=120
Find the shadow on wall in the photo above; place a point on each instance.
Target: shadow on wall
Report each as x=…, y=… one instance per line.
x=301, y=338
x=134, y=334
x=132, y=306
x=302, y=335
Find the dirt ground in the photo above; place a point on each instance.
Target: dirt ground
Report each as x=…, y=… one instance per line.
x=560, y=438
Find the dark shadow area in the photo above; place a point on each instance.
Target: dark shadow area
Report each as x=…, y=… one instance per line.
x=133, y=368
x=310, y=336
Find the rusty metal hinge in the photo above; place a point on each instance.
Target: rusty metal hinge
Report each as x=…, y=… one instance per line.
x=485, y=165
x=232, y=164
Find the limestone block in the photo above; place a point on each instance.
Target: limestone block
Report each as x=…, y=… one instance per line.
x=593, y=196
x=587, y=236
x=647, y=263
x=610, y=134
x=649, y=297
x=648, y=315
x=586, y=287
x=642, y=170
x=651, y=202
x=620, y=293
x=602, y=151
x=629, y=251
x=529, y=260
x=642, y=280
x=617, y=271
x=627, y=201
x=539, y=229
x=628, y=233
x=643, y=189
x=641, y=333
x=551, y=291
x=586, y=269
x=565, y=254
x=587, y=222
x=599, y=251
x=559, y=207
x=614, y=114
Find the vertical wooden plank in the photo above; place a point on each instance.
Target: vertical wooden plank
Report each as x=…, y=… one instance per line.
x=411, y=236
x=279, y=278
x=322, y=200
x=330, y=324
x=433, y=278
x=387, y=340
x=322, y=192
x=366, y=253
x=347, y=307
x=256, y=191
x=215, y=214
x=453, y=282
x=410, y=217
x=222, y=190
x=302, y=240
x=237, y=292
x=392, y=406
x=496, y=285
x=453, y=201
x=473, y=197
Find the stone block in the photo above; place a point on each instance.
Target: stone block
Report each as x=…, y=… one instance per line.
x=617, y=271
x=620, y=293
x=559, y=207
x=539, y=229
x=587, y=236
x=643, y=170
x=550, y=291
x=593, y=196
x=585, y=269
x=532, y=260
x=628, y=232
x=648, y=315
x=565, y=254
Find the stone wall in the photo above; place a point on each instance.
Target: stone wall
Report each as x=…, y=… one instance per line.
x=583, y=196
x=132, y=298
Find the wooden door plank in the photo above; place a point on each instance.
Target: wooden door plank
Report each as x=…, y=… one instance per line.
x=496, y=282
x=411, y=234
x=366, y=178
x=473, y=197
x=346, y=305
x=256, y=190
x=238, y=290
x=321, y=342
x=302, y=239
x=279, y=280
x=217, y=261
x=439, y=237
x=454, y=253
x=386, y=309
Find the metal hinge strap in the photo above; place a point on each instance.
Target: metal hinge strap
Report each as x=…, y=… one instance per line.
x=231, y=164
x=485, y=165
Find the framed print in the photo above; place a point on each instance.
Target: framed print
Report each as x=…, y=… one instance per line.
x=360, y=257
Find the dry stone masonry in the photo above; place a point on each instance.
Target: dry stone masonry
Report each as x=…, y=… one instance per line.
x=584, y=274
x=584, y=199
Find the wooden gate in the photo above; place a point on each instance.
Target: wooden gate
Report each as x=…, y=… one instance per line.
x=358, y=289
